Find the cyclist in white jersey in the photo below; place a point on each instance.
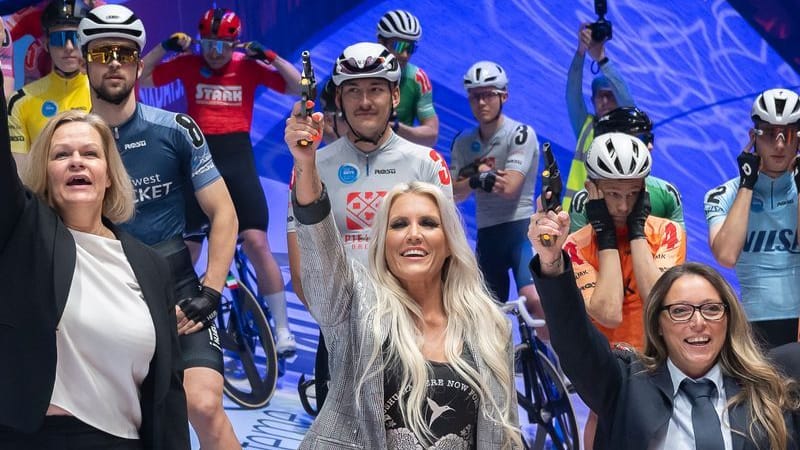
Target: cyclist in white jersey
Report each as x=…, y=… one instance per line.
x=752, y=219
x=362, y=165
x=497, y=160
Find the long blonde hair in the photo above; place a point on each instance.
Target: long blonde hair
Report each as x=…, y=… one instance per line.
x=469, y=307
x=765, y=392
x=118, y=204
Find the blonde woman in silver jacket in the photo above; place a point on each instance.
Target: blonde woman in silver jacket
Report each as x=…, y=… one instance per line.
x=420, y=353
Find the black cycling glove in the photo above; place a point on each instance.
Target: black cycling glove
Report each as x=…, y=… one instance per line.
x=598, y=215
x=202, y=308
x=638, y=216
x=483, y=180
x=748, y=169
x=469, y=170
x=172, y=43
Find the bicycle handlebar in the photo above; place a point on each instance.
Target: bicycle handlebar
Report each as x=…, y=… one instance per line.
x=518, y=307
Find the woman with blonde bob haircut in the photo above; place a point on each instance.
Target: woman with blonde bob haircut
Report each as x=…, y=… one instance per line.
x=420, y=352
x=702, y=382
x=118, y=204
x=88, y=311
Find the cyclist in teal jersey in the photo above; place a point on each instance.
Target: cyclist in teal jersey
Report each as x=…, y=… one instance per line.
x=665, y=200
x=400, y=31
x=752, y=219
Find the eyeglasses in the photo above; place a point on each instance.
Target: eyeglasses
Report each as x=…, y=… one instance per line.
x=104, y=55
x=60, y=38
x=683, y=312
x=485, y=96
x=401, y=46
x=217, y=45
x=775, y=132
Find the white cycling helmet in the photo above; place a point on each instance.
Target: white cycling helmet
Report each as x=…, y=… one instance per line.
x=365, y=60
x=111, y=21
x=485, y=73
x=399, y=24
x=617, y=156
x=777, y=107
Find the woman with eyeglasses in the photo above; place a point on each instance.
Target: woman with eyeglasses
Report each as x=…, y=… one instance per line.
x=700, y=382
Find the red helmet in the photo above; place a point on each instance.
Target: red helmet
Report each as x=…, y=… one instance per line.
x=220, y=23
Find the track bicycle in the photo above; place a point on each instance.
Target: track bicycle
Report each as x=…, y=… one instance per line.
x=545, y=396
x=250, y=361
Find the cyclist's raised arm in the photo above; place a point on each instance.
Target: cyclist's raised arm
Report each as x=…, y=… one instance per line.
x=576, y=106
x=177, y=42
x=289, y=73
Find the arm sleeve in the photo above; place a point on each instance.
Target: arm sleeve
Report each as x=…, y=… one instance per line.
x=194, y=153
x=621, y=91
x=523, y=150
x=327, y=276
x=576, y=107
x=269, y=77
x=718, y=202
x=437, y=173
x=583, y=351
x=169, y=71
x=425, y=104
x=674, y=205
x=18, y=131
x=456, y=159
x=577, y=211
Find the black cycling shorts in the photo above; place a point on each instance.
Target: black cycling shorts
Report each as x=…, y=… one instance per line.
x=202, y=348
x=233, y=156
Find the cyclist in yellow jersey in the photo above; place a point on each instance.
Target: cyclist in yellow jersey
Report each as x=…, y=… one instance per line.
x=66, y=87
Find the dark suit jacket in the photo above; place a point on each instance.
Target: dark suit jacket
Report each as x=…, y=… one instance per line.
x=37, y=261
x=632, y=404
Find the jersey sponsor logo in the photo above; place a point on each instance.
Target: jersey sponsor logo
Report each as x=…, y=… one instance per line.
x=771, y=241
x=17, y=139
x=670, y=236
x=361, y=208
x=49, y=108
x=424, y=82
x=150, y=188
x=136, y=144
x=786, y=202
x=384, y=171
x=348, y=173
x=214, y=94
x=475, y=146
x=572, y=250
x=513, y=161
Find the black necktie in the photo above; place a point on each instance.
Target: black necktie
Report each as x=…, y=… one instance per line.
x=705, y=422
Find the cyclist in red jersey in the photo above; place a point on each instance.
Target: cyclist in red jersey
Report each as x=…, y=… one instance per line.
x=220, y=88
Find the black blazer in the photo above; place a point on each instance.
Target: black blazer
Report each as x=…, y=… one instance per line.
x=632, y=404
x=37, y=261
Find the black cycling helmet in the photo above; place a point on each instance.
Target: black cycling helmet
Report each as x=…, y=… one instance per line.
x=328, y=96
x=64, y=12
x=629, y=120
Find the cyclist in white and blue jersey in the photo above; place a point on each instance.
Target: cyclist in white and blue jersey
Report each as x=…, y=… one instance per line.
x=752, y=219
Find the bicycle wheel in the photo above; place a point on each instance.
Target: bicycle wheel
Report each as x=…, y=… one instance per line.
x=554, y=417
x=248, y=348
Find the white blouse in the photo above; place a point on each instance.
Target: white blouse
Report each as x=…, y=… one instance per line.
x=105, y=340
